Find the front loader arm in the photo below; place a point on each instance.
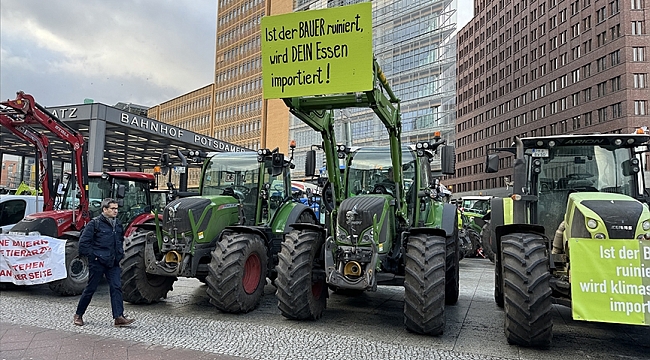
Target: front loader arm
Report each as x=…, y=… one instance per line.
x=25, y=110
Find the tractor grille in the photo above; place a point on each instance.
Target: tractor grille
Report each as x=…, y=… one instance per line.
x=177, y=216
x=620, y=217
x=365, y=206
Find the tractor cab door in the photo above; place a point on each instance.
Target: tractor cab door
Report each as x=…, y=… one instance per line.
x=420, y=205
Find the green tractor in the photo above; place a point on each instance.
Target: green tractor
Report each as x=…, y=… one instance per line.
x=227, y=237
x=577, y=199
x=472, y=209
x=388, y=224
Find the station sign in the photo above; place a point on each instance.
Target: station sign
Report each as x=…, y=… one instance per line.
x=127, y=120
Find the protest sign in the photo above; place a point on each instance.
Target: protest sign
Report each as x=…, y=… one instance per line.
x=317, y=52
x=610, y=280
x=31, y=259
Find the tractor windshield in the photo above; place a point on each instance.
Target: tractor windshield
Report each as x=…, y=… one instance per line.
x=238, y=172
x=569, y=169
x=371, y=171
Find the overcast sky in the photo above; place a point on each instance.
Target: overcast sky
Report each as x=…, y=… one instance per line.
x=143, y=52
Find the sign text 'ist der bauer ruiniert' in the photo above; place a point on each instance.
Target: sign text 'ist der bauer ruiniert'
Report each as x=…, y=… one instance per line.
x=610, y=280
x=317, y=52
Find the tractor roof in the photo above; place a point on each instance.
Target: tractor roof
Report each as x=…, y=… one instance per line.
x=620, y=140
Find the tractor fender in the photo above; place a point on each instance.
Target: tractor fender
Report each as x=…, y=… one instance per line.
x=143, y=221
x=73, y=234
x=449, y=219
x=292, y=219
x=243, y=229
x=502, y=230
x=428, y=231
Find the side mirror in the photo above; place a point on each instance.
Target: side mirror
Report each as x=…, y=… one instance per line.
x=277, y=161
x=121, y=191
x=448, y=160
x=492, y=163
x=310, y=163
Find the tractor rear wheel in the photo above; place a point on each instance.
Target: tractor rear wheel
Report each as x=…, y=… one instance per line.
x=526, y=290
x=424, y=284
x=237, y=272
x=301, y=288
x=485, y=242
x=77, y=268
x=138, y=286
x=452, y=275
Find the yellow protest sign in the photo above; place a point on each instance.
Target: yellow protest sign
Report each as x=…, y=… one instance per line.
x=317, y=52
x=610, y=280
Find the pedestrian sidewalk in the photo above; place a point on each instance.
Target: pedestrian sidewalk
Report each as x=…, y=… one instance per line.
x=18, y=342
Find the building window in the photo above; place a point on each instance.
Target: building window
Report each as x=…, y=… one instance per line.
x=575, y=98
x=601, y=38
x=640, y=107
x=587, y=94
x=601, y=64
x=601, y=15
x=640, y=81
x=616, y=83
x=602, y=114
x=638, y=54
x=575, y=76
x=575, y=30
x=587, y=119
x=602, y=89
x=616, y=110
x=637, y=4
x=637, y=27
x=576, y=52
x=586, y=70
x=615, y=31
x=615, y=57
x=613, y=7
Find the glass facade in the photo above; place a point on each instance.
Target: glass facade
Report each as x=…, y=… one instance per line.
x=414, y=43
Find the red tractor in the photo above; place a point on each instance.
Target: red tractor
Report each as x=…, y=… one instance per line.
x=82, y=194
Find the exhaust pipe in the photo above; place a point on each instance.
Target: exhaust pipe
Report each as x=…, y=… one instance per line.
x=352, y=268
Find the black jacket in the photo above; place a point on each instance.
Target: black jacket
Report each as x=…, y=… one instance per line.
x=99, y=241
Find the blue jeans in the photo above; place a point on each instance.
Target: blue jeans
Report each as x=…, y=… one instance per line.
x=112, y=274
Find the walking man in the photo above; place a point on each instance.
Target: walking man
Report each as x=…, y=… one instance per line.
x=101, y=242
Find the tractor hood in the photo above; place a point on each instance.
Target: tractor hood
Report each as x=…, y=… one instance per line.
x=615, y=216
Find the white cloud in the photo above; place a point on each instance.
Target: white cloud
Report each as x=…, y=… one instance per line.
x=156, y=49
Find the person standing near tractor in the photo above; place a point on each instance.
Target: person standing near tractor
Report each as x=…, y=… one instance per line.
x=102, y=243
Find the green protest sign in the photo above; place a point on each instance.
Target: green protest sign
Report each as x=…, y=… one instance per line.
x=317, y=52
x=610, y=280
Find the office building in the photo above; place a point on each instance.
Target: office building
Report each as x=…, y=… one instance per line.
x=536, y=68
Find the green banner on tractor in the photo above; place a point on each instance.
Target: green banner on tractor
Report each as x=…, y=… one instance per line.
x=317, y=52
x=610, y=280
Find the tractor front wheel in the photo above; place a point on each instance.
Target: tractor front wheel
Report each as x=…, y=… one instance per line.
x=301, y=288
x=237, y=273
x=452, y=276
x=138, y=286
x=77, y=268
x=526, y=290
x=424, y=284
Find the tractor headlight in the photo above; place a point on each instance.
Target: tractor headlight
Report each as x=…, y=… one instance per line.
x=592, y=224
x=367, y=237
x=646, y=225
x=600, y=236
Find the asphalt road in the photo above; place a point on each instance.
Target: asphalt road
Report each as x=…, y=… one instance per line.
x=361, y=327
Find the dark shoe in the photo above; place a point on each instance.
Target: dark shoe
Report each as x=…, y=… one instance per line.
x=77, y=320
x=122, y=321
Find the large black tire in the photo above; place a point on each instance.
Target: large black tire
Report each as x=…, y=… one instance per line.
x=527, y=290
x=485, y=242
x=139, y=287
x=78, y=271
x=237, y=273
x=452, y=274
x=424, y=284
x=301, y=288
x=498, y=282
